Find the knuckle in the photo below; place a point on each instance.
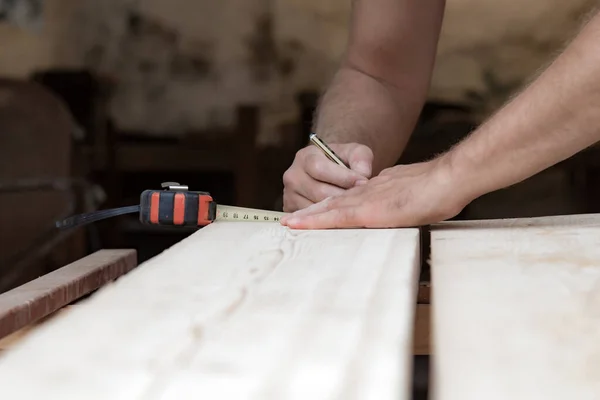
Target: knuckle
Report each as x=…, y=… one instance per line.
x=315, y=167
x=362, y=151
x=301, y=153
x=350, y=179
x=304, y=153
x=289, y=177
x=298, y=158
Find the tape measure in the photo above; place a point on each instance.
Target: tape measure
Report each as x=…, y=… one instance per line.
x=176, y=205
x=232, y=213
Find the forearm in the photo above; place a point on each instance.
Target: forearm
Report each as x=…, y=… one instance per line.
x=555, y=117
x=377, y=95
x=358, y=108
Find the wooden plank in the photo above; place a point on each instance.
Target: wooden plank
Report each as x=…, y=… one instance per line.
x=9, y=341
x=516, y=309
x=237, y=311
x=555, y=221
x=42, y=296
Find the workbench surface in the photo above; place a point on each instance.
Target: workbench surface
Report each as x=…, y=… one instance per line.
x=237, y=310
x=258, y=311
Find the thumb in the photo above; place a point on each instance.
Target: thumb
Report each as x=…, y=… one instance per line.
x=360, y=159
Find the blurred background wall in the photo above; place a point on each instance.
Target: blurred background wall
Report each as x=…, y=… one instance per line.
x=182, y=65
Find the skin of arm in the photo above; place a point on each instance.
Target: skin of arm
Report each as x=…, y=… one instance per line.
x=553, y=118
x=377, y=94
x=373, y=102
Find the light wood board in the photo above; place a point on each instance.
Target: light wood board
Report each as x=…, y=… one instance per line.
x=237, y=311
x=516, y=309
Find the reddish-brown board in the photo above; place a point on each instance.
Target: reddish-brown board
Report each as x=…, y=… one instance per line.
x=42, y=296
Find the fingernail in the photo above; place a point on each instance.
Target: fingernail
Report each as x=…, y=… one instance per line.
x=360, y=182
x=293, y=221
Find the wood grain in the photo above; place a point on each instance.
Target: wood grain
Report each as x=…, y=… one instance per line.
x=36, y=299
x=237, y=311
x=516, y=309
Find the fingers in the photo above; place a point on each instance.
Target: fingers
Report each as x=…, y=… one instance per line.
x=322, y=169
x=319, y=207
x=347, y=217
x=301, y=191
x=314, y=190
x=340, y=211
x=293, y=201
x=313, y=177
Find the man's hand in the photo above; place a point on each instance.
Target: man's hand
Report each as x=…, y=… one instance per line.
x=375, y=98
x=313, y=177
x=401, y=196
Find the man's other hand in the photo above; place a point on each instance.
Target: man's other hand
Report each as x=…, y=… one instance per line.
x=401, y=196
x=313, y=177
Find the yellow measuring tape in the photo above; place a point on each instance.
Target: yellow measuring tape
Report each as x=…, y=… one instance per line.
x=233, y=213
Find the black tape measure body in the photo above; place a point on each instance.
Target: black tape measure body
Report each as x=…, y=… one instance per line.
x=180, y=208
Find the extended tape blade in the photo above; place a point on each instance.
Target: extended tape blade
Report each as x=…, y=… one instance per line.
x=233, y=213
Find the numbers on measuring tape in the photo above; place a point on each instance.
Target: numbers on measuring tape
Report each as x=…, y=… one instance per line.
x=248, y=216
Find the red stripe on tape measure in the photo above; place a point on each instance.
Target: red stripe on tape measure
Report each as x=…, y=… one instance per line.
x=154, y=201
x=179, y=209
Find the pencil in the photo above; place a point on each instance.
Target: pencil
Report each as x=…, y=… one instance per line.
x=327, y=150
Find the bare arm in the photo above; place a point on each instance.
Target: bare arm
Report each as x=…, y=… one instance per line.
x=372, y=105
x=378, y=92
x=555, y=117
